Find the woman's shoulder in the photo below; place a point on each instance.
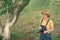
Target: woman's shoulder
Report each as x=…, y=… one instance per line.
x=40, y=19
x=51, y=21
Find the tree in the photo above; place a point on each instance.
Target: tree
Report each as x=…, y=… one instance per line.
x=13, y=8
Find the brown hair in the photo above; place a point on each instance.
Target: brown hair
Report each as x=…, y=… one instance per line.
x=48, y=15
x=46, y=12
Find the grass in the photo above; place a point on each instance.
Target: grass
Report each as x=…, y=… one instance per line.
x=27, y=25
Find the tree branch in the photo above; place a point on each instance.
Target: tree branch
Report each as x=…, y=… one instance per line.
x=21, y=7
x=19, y=10
x=13, y=21
x=11, y=15
x=1, y=23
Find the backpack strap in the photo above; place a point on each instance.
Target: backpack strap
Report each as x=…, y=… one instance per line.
x=41, y=20
x=47, y=21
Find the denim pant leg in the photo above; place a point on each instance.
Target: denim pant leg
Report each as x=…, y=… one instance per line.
x=47, y=37
x=41, y=37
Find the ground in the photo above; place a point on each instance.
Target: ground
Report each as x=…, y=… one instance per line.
x=27, y=25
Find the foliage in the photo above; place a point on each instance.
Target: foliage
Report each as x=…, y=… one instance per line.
x=6, y=6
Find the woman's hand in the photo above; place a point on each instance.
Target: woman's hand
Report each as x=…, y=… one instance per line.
x=39, y=28
x=45, y=32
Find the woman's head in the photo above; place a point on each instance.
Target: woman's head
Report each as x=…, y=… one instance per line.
x=46, y=13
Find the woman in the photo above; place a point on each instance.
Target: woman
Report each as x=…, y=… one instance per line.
x=46, y=26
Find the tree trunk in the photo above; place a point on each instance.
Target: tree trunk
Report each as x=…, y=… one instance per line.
x=6, y=34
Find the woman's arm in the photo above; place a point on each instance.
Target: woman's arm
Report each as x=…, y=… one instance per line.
x=40, y=24
x=51, y=26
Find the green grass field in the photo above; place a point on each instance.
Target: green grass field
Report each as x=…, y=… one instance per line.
x=27, y=25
